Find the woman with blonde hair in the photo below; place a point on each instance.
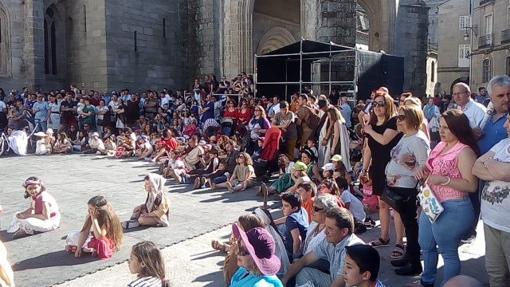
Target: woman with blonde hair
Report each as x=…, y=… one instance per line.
x=336, y=140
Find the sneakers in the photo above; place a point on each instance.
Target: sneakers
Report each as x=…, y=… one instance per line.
x=132, y=223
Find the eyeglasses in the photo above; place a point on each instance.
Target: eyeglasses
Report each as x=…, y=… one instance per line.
x=258, y=110
x=401, y=118
x=317, y=209
x=380, y=104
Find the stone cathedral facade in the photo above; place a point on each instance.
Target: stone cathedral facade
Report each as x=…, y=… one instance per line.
x=112, y=44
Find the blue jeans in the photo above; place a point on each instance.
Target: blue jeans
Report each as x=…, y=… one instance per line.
x=443, y=236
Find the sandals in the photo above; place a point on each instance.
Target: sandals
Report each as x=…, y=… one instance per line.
x=380, y=242
x=216, y=245
x=398, y=252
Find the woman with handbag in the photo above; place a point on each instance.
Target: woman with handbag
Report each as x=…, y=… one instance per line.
x=382, y=136
x=448, y=174
x=407, y=157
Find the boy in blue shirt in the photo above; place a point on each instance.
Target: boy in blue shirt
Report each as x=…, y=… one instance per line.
x=296, y=224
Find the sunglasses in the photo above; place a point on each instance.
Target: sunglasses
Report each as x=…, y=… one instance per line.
x=401, y=118
x=258, y=110
x=380, y=104
x=317, y=209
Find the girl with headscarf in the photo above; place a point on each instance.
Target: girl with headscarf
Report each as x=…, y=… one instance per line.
x=155, y=210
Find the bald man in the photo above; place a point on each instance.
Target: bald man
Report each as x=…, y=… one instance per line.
x=473, y=110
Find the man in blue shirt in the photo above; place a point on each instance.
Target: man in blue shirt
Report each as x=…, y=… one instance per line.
x=41, y=114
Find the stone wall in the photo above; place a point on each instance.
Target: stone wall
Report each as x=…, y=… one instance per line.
x=411, y=32
x=337, y=22
x=202, y=38
x=21, y=25
x=139, y=53
x=86, y=44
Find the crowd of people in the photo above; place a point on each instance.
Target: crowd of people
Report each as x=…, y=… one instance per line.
x=446, y=161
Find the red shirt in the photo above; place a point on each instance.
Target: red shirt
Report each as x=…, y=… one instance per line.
x=169, y=144
x=246, y=116
x=230, y=114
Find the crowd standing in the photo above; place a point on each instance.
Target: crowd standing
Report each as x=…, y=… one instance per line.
x=433, y=165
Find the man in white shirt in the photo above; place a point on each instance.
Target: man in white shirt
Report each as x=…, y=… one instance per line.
x=473, y=110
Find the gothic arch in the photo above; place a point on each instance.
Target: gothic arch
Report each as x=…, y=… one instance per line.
x=55, y=34
x=5, y=41
x=275, y=38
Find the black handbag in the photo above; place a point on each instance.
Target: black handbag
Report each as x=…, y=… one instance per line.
x=394, y=199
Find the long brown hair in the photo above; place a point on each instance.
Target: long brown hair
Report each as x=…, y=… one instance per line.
x=458, y=124
x=391, y=109
x=107, y=219
x=151, y=261
x=335, y=115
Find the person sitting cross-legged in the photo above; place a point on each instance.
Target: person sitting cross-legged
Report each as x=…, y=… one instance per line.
x=154, y=212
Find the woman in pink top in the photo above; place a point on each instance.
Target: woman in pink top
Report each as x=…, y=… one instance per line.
x=448, y=173
x=43, y=214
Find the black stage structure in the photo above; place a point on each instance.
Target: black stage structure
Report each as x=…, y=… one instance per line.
x=326, y=67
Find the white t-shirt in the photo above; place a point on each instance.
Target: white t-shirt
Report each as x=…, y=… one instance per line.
x=475, y=112
x=495, y=195
x=355, y=205
x=402, y=174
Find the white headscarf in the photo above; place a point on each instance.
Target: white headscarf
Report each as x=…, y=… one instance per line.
x=158, y=187
x=280, y=247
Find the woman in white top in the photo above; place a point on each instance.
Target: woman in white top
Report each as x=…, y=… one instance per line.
x=100, y=117
x=54, y=118
x=407, y=157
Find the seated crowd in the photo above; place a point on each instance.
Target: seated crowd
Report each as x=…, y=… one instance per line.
x=457, y=163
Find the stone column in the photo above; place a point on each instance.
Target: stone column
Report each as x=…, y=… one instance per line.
x=33, y=49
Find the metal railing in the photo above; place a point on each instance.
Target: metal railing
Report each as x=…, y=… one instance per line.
x=486, y=41
x=505, y=36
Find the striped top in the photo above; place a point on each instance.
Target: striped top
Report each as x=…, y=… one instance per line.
x=146, y=282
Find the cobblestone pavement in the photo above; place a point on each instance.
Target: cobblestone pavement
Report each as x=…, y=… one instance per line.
x=196, y=218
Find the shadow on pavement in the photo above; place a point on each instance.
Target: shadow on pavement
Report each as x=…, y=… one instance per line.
x=57, y=258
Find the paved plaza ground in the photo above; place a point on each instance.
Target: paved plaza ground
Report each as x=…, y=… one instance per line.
x=196, y=217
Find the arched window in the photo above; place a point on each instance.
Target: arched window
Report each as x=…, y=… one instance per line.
x=433, y=71
x=50, y=43
x=4, y=42
x=486, y=70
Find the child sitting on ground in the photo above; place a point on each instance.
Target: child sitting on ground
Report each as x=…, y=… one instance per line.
x=296, y=224
x=154, y=212
x=101, y=234
x=148, y=265
x=361, y=266
x=354, y=205
x=43, y=214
